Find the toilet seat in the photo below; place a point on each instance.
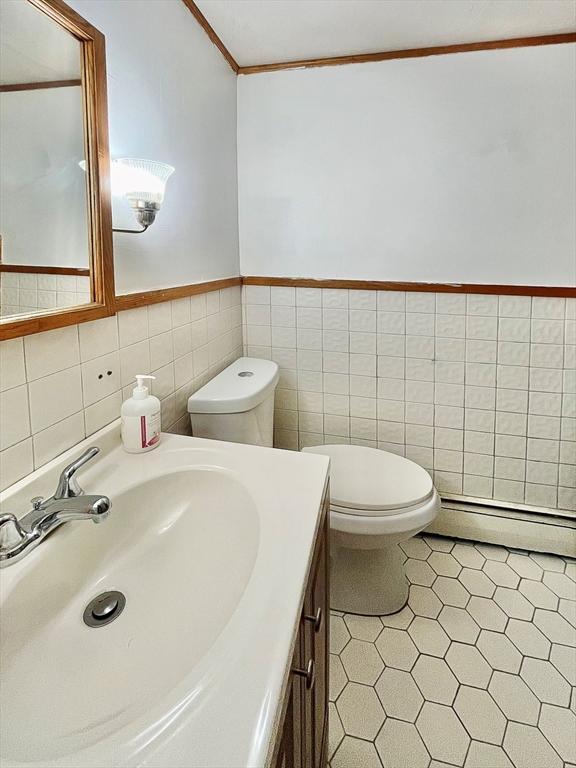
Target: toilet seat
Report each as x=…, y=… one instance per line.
x=371, y=483
x=404, y=520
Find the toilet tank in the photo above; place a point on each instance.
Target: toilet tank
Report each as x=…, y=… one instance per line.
x=238, y=404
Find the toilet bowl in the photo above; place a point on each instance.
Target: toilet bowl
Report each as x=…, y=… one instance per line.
x=377, y=500
x=238, y=404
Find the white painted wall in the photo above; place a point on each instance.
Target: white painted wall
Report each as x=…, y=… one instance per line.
x=455, y=168
x=171, y=97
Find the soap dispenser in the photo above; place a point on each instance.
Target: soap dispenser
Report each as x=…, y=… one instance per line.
x=140, y=419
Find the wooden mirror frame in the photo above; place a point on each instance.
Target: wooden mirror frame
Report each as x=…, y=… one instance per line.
x=93, y=63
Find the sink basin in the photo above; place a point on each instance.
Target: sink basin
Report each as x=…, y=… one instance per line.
x=195, y=544
x=183, y=570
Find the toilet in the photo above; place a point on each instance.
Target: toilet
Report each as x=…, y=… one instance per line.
x=377, y=500
x=238, y=404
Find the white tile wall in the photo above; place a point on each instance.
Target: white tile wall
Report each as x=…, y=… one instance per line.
x=480, y=390
x=29, y=292
x=58, y=387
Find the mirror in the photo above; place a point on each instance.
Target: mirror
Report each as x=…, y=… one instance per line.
x=55, y=231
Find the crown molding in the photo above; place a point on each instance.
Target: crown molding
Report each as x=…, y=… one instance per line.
x=366, y=58
x=412, y=53
x=207, y=27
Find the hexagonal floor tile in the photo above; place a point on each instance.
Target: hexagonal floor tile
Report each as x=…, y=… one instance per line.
x=339, y=634
x=396, y=648
x=501, y=574
x=513, y=603
x=567, y=609
x=538, y=594
x=439, y=543
x=443, y=733
x=468, y=664
x=362, y=662
x=360, y=711
x=400, y=620
x=527, y=747
x=337, y=679
x=555, y=627
x=528, y=638
x=399, y=694
x=419, y=572
x=486, y=756
x=363, y=627
x=416, y=548
x=564, y=659
x=444, y=564
x=561, y=585
x=468, y=556
x=559, y=727
x=424, y=602
x=335, y=730
x=514, y=698
x=486, y=613
x=355, y=753
x=451, y=592
x=429, y=636
x=499, y=651
x=492, y=551
x=400, y=746
x=435, y=679
x=548, y=562
x=477, y=583
x=524, y=566
x=481, y=717
x=458, y=624
x=546, y=682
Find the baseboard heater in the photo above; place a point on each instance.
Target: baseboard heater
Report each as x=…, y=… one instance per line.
x=511, y=525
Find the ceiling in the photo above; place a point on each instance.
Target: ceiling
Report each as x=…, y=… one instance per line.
x=33, y=47
x=269, y=31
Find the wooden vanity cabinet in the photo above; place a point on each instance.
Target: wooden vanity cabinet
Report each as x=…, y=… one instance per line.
x=303, y=736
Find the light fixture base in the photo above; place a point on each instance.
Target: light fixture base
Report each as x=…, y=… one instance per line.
x=145, y=211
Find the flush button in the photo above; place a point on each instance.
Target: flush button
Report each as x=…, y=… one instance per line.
x=243, y=374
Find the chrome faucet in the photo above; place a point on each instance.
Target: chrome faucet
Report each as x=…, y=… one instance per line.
x=19, y=537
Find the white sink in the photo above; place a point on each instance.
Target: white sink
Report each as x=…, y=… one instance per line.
x=209, y=544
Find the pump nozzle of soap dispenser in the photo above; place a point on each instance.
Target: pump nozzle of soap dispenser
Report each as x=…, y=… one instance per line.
x=140, y=391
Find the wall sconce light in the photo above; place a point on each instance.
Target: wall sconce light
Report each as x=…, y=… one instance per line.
x=143, y=183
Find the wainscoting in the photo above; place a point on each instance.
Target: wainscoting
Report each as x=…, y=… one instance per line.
x=478, y=389
x=61, y=386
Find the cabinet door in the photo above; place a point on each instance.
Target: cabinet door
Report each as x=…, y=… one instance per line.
x=321, y=657
x=316, y=621
x=290, y=751
x=297, y=700
x=304, y=738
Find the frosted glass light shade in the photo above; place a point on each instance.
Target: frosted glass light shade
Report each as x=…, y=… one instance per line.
x=139, y=179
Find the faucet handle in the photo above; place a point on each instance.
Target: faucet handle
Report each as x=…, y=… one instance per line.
x=11, y=532
x=68, y=486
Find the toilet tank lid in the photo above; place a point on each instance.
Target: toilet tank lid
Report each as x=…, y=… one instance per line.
x=369, y=479
x=240, y=387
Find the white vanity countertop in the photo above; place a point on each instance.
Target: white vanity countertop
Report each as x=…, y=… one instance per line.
x=216, y=707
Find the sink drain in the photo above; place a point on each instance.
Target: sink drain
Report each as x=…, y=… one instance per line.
x=104, y=608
